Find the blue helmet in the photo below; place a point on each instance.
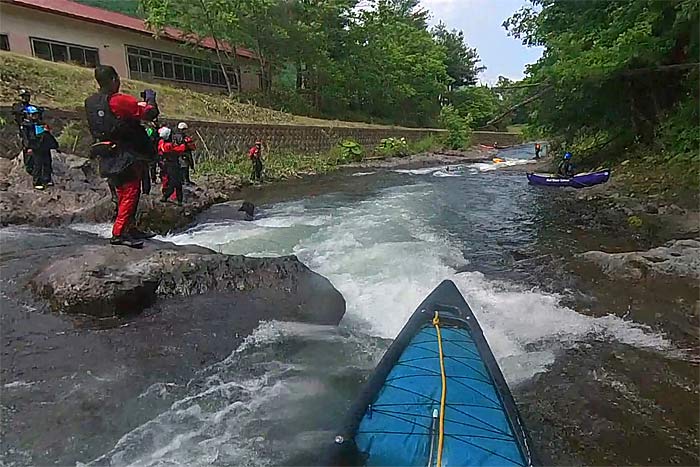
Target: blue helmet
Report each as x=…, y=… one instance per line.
x=567, y=155
x=30, y=109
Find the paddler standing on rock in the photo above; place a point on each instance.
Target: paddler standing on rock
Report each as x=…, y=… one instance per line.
x=171, y=153
x=538, y=149
x=122, y=148
x=37, y=144
x=255, y=155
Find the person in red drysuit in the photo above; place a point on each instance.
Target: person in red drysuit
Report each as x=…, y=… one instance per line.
x=122, y=147
x=171, y=152
x=255, y=155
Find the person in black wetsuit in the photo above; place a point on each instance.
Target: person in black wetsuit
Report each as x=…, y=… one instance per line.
x=566, y=167
x=538, y=149
x=171, y=154
x=187, y=159
x=37, y=143
x=19, y=108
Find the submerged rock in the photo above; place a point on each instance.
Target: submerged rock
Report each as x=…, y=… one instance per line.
x=678, y=258
x=105, y=280
x=80, y=195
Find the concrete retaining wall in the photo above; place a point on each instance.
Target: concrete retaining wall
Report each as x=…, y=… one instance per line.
x=223, y=138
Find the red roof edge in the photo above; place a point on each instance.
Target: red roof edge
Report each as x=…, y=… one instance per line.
x=113, y=19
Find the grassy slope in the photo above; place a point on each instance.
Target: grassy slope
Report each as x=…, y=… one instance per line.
x=62, y=86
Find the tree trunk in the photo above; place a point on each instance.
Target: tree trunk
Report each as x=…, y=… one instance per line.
x=517, y=106
x=229, y=89
x=300, y=80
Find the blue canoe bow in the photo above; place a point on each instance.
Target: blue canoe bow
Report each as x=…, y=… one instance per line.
x=393, y=421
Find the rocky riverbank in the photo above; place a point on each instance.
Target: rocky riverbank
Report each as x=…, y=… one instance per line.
x=80, y=195
x=180, y=309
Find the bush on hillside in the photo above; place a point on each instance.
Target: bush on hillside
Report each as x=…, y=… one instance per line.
x=457, y=126
x=391, y=147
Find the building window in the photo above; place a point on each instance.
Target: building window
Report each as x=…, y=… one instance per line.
x=62, y=52
x=146, y=63
x=4, y=42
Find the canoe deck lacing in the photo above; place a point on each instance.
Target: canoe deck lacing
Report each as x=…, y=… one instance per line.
x=443, y=395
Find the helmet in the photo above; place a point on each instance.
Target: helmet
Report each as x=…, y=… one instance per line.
x=567, y=155
x=24, y=92
x=164, y=132
x=30, y=109
x=182, y=126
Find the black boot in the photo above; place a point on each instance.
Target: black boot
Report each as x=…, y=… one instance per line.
x=125, y=240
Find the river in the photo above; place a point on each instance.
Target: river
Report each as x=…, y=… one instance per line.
x=595, y=384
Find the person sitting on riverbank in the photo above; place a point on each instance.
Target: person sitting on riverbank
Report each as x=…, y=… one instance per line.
x=566, y=167
x=255, y=155
x=122, y=147
x=171, y=153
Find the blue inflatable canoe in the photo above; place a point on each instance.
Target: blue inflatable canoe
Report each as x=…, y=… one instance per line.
x=437, y=398
x=581, y=180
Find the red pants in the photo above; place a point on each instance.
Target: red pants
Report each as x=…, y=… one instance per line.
x=128, y=194
x=164, y=179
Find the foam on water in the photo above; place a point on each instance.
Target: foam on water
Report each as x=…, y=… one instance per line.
x=268, y=398
x=385, y=258
x=427, y=170
x=249, y=408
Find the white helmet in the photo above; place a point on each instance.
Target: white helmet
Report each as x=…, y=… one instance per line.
x=182, y=126
x=164, y=132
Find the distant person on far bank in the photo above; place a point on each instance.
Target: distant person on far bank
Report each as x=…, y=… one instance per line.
x=538, y=149
x=122, y=148
x=255, y=155
x=566, y=166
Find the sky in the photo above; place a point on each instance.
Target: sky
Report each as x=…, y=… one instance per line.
x=481, y=21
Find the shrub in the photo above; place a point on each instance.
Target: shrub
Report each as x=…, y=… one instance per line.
x=390, y=147
x=457, y=126
x=350, y=151
x=69, y=137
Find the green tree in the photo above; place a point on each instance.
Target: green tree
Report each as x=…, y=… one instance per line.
x=393, y=68
x=128, y=7
x=613, y=70
x=480, y=103
x=198, y=19
x=462, y=61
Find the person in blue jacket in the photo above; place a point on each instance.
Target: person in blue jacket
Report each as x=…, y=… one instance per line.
x=37, y=143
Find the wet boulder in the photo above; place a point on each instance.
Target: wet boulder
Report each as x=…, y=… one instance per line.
x=678, y=258
x=105, y=280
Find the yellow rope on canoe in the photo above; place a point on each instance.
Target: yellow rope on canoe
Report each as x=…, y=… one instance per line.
x=443, y=396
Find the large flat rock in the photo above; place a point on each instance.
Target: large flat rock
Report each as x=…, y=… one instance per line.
x=679, y=258
x=105, y=280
